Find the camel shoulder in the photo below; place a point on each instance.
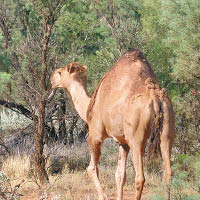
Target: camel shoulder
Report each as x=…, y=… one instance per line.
x=93, y=98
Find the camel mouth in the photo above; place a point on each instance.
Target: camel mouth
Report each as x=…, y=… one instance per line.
x=50, y=97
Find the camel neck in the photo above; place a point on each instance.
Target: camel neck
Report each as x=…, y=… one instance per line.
x=80, y=99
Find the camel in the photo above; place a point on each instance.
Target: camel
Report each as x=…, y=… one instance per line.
x=129, y=106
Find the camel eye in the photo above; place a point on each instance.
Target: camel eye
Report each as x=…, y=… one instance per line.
x=59, y=73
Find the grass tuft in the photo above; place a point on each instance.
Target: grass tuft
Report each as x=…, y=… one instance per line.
x=16, y=166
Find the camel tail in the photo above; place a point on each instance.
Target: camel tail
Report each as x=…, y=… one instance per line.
x=153, y=148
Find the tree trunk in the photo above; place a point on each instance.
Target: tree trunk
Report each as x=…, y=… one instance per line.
x=39, y=144
x=40, y=131
x=71, y=129
x=48, y=19
x=62, y=124
x=83, y=133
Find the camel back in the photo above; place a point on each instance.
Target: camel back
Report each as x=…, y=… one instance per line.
x=148, y=85
x=131, y=56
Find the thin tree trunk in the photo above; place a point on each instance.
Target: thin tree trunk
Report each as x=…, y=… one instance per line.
x=71, y=130
x=83, y=133
x=62, y=124
x=40, y=132
x=39, y=122
x=39, y=145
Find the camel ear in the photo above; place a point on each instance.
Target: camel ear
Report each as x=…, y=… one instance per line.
x=71, y=68
x=85, y=68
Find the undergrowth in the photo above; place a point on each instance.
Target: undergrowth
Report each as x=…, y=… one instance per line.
x=7, y=191
x=66, y=167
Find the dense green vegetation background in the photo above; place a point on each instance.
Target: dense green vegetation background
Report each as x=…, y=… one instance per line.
x=96, y=33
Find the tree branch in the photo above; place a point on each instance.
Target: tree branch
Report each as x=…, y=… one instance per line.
x=17, y=108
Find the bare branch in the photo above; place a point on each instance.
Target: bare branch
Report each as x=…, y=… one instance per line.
x=17, y=108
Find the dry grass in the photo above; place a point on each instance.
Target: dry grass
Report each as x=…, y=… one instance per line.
x=71, y=182
x=16, y=166
x=77, y=186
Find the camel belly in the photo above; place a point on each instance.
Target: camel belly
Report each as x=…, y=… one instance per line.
x=112, y=113
x=119, y=139
x=114, y=128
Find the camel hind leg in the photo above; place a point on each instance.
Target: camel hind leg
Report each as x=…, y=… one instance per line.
x=166, y=141
x=137, y=145
x=138, y=151
x=137, y=130
x=120, y=174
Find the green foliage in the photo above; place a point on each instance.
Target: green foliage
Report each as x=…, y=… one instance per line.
x=157, y=197
x=5, y=76
x=158, y=53
x=182, y=19
x=4, y=63
x=178, y=187
x=187, y=171
x=4, y=80
x=171, y=37
x=123, y=21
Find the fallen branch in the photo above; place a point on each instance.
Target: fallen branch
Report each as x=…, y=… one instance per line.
x=17, y=108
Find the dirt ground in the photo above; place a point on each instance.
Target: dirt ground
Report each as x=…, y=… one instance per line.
x=128, y=195
x=41, y=195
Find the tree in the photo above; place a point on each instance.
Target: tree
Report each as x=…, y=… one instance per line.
x=183, y=37
x=38, y=42
x=123, y=20
x=30, y=61
x=171, y=43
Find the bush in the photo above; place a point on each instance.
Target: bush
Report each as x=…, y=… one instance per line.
x=187, y=169
x=186, y=177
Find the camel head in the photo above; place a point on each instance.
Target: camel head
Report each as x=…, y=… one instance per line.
x=64, y=77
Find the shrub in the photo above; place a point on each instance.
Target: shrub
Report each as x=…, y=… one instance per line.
x=186, y=177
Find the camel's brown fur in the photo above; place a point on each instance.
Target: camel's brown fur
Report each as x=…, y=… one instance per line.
x=129, y=106
x=92, y=101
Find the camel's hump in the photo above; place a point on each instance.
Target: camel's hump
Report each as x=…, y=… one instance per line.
x=133, y=54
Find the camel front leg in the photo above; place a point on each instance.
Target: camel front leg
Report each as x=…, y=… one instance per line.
x=120, y=174
x=93, y=172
